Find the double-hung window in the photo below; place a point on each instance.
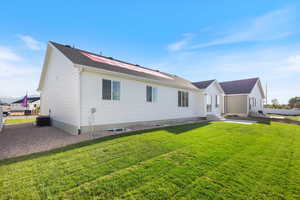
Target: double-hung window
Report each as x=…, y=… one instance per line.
x=111, y=90
x=217, y=101
x=151, y=94
x=183, y=99
x=208, y=103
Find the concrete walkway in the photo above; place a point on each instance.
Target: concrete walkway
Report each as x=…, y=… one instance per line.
x=246, y=122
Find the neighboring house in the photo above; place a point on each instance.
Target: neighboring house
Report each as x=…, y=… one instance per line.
x=243, y=97
x=211, y=98
x=5, y=107
x=33, y=104
x=83, y=91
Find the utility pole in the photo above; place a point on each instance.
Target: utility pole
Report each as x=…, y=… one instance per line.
x=266, y=93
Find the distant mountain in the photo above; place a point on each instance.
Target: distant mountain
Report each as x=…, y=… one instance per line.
x=12, y=99
x=8, y=99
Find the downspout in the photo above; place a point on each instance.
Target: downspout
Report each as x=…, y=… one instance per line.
x=80, y=70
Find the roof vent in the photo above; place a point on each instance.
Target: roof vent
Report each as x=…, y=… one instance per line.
x=137, y=65
x=68, y=46
x=110, y=58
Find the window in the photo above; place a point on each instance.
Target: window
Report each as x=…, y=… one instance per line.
x=106, y=89
x=151, y=94
x=217, y=101
x=208, y=103
x=110, y=90
x=183, y=99
x=116, y=90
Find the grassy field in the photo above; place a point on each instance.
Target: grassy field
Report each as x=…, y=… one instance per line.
x=19, y=120
x=214, y=160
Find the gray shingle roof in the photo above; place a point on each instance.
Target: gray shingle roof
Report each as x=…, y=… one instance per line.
x=77, y=57
x=203, y=84
x=244, y=86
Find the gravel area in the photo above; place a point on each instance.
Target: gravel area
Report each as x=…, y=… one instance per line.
x=23, y=139
x=17, y=140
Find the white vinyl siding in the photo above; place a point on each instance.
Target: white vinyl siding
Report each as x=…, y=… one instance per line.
x=132, y=106
x=60, y=91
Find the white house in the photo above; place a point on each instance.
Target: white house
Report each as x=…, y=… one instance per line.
x=33, y=103
x=83, y=91
x=243, y=97
x=211, y=97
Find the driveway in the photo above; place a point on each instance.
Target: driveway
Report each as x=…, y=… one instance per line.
x=17, y=140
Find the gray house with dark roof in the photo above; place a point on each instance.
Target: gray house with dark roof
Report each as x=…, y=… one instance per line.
x=243, y=97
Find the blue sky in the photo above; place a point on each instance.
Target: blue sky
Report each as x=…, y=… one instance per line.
x=198, y=40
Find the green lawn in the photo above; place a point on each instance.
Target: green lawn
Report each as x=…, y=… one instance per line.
x=214, y=160
x=19, y=120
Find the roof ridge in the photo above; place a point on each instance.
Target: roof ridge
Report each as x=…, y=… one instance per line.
x=240, y=80
x=205, y=81
x=107, y=57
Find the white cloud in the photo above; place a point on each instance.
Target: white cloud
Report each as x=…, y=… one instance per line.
x=17, y=79
x=271, y=26
x=293, y=64
x=276, y=65
x=8, y=54
x=31, y=43
x=179, y=45
x=17, y=75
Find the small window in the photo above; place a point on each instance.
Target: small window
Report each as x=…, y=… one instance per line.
x=183, y=99
x=110, y=90
x=208, y=103
x=217, y=101
x=151, y=94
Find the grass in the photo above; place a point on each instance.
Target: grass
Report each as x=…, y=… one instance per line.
x=19, y=120
x=297, y=118
x=213, y=160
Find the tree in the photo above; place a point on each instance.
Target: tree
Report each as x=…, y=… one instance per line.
x=275, y=102
x=297, y=104
x=293, y=101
